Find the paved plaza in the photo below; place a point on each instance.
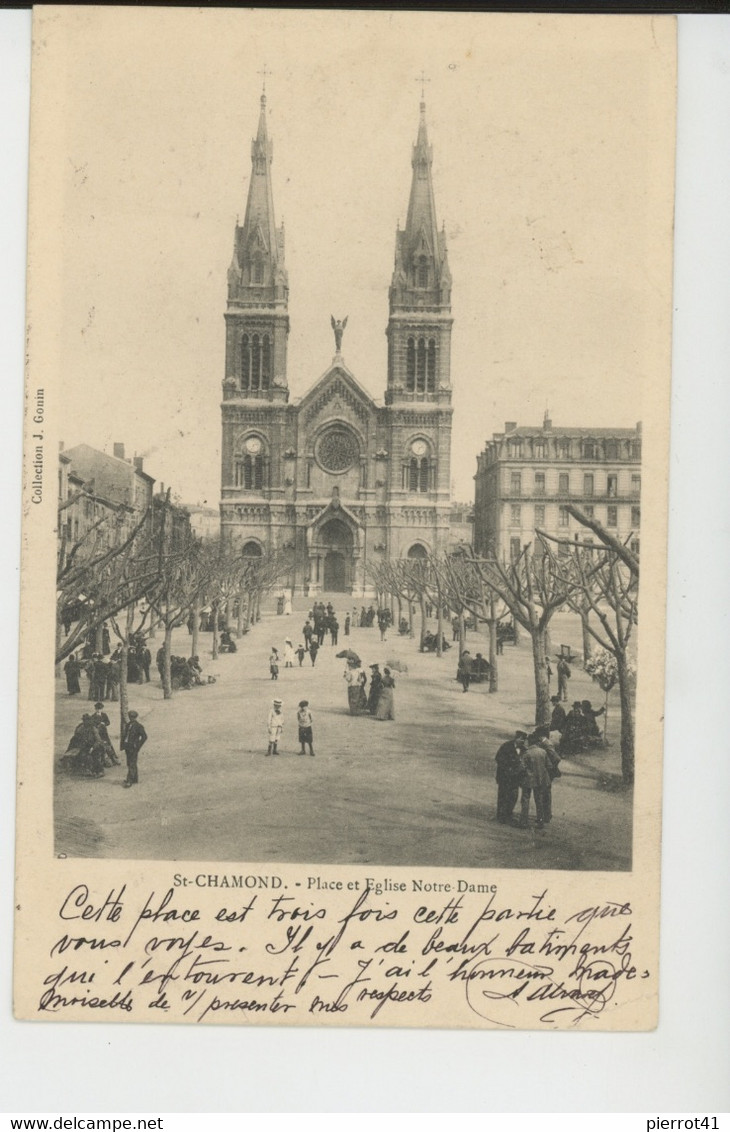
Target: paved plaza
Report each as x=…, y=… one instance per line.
x=416, y=791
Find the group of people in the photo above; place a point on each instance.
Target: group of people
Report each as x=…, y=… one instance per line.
x=578, y=728
x=90, y=750
x=379, y=699
x=305, y=727
x=526, y=765
x=104, y=671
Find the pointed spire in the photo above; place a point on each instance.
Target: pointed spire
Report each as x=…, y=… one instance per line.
x=259, y=247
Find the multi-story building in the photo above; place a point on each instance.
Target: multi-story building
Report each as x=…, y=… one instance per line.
x=335, y=478
x=526, y=477
x=112, y=478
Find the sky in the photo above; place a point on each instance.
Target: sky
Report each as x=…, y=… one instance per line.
x=549, y=175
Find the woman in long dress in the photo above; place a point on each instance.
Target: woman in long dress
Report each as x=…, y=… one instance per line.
x=386, y=699
x=355, y=679
x=72, y=668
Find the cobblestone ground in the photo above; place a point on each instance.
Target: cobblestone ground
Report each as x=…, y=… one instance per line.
x=419, y=790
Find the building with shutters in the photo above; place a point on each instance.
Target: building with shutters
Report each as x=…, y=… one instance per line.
x=526, y=477
x=335, y=477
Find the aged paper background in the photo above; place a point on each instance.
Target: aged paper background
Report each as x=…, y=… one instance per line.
x=355, y=928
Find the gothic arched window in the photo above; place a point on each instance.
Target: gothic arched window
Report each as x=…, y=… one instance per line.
x=423, y=475
x=411, y=365
x=431, y=377
x=265, y=362
x=422, y=272
x=257, y=273
x=418, y=474
x=245, y=363
x=421, y=366
x=255, y=362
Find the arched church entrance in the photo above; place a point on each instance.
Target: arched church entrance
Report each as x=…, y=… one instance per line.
x=335, y=539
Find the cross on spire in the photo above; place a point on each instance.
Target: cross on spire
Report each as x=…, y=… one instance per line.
x=265, y=71
x=422, y=80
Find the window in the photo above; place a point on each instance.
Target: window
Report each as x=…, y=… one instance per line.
x=635, y=516
x=589, y=449
x=539, y=449
x=611, y=449
x=635, y=546
x=431, y=376
x=635, y=449
x=411, y=365
x=515, y=549
x=515, y=515
x=250, y=472
x=588, y=483
x=540, y=515
x=563, y=517
x=255, y=362
x=563, y=549
x=589, y=509
x=564, y=483
x=422, y=272
x=258, y=272
x=565, y=449
x=514, y=448
x=612, y=517
x=636, y=484
x=418, y=474
x=539, y=483
x=515, y=483
x=612, y=487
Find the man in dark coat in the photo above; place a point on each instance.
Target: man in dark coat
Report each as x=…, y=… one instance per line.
x=144, y=657
x=133, y=740
x=313, y=650
x=574, y=731
x=509, y=775
x=376, y=683
x=563, y=678
x=557, y=720
x=101, y=722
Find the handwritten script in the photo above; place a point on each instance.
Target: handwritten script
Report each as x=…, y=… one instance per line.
x=360, y=951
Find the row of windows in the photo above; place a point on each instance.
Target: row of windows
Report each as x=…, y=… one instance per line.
x=590, y=484
x=540, y=448
x=421, y=365
x=611, y=519
x=255, y=362
x=515, y=547
x=250, y=473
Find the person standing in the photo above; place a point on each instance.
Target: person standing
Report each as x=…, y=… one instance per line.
x=72, y=668
x=564, y=675
x=557, y=720
x=536, y=783
x=275, y=728
x=334, y=628
x=274, y=663
x=347, y=625
x=301, y=653
x=463, y=671
x=386, y=700
x=145, y=659
x=305, y=724
x=313, y=650
x=355, y=679
x=100, y=720
x=133, y=739
x=376, y=683
x=288, y=654
x=509, y=774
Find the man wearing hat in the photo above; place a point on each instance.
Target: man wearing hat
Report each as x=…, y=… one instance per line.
x=509, y=775
x=133, y=739
x=574, y=731
x=564, y=675
x=100, y=721
x=557, y=720
x=276, y=726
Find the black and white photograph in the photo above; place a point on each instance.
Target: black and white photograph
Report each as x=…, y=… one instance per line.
x=353, y=365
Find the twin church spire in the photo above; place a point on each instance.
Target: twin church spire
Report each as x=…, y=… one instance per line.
x=418, y=351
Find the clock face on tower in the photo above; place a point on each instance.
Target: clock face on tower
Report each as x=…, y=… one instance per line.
x=419, y=447
x=253, y=445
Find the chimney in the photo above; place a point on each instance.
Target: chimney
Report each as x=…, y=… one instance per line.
x=510, y=426
x=119, y=451
x=139, y=463
x=547, y=424
x=638, y=427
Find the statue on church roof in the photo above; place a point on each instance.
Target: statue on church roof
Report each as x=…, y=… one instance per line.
x=338, y=325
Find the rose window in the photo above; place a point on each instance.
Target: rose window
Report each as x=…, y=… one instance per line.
x=337, y=450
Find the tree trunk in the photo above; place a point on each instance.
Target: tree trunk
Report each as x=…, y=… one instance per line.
x=166, y=673
x=239, y=620
x=422, y=603
x=196, y=628
x=123, y=690
x=228, y=613
x=214, y=653
x=517, y=628
x=59, y=638
x=400, y=612
x=99, y=638
x=493, y=669
x=462, y=632
x=410, y=617
x=439, y=624
x=542, y=686
x=587, y=639
x=627, y=720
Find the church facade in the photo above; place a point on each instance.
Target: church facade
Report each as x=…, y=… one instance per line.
x=336, y=479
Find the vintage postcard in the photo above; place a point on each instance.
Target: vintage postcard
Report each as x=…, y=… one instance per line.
x=344, y=526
